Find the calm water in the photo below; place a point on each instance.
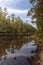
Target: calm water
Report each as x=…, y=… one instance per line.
x=13, y=52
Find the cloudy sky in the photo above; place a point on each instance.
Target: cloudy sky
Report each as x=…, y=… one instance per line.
x=18, y=7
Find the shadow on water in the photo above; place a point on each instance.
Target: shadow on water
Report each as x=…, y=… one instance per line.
x=16, y=52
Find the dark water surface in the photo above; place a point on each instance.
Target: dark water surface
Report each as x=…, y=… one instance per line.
x=13, y=52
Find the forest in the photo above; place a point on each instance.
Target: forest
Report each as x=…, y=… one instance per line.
x=13, y=26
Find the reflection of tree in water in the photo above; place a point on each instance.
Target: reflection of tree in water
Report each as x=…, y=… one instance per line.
x=4, y=44
x=11, y=45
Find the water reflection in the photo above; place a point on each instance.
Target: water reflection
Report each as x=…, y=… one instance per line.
x=15, y=52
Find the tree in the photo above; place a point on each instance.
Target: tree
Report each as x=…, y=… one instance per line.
x=37, y=13
x=1, y=14
x=12, y=17
x=5, y=13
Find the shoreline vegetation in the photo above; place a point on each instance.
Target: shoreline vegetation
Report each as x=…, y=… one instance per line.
x=36, y=11
x=11, y=25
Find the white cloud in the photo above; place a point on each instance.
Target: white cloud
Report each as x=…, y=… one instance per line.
x=15, y=11
x=5, y=1
x=3, y=4
x=9, y=1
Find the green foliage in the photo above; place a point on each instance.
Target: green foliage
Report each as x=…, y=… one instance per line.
x=37, y=13
x=14, y=25
x=39, y=34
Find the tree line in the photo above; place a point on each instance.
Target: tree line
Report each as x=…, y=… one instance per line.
x=12, y=25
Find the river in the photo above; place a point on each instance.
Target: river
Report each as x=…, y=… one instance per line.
x=16, y=52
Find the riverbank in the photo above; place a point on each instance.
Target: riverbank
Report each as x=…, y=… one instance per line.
x=39, y=55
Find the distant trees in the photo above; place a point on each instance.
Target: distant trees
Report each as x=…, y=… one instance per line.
x=13, y=25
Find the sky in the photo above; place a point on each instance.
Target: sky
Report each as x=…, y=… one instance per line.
x=18, y=7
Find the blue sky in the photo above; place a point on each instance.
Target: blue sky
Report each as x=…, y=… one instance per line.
x=18, y=7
